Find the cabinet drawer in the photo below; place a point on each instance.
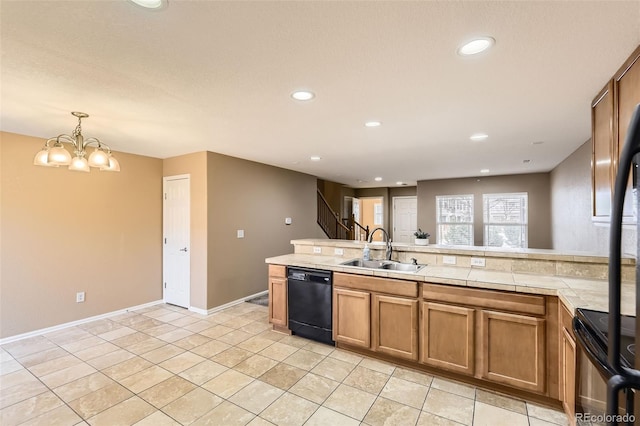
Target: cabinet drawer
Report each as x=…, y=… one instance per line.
x=378, y=285
x=501, y=301
x=277, y=271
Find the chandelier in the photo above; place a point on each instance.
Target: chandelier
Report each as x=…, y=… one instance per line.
x=57, y=155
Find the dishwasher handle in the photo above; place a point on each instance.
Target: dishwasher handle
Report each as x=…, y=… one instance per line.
x=310, y=276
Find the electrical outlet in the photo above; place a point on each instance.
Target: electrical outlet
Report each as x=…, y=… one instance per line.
x=338, y=252
x=287, y=221
x=317, y=250
x=477, y=261
x=240, y=233
x=449, y=260
x=80, y=297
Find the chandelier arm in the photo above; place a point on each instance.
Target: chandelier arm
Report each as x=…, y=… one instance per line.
x=99, y=142
x=67, y=139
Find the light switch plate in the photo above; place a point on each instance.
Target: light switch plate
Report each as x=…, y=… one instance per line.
x=449, y=260
x=338, y=252
x=317, y=250
x=477, y=261
x=240, y=233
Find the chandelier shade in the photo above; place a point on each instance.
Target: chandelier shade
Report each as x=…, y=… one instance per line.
x=57, y=155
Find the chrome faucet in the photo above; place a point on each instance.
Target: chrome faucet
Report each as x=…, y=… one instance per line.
x=389, y=248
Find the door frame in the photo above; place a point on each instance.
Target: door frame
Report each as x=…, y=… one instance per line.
x=165, y=179
x=393, y=212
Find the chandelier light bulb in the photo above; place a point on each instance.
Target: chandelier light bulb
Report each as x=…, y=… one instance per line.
x=99, y=158
x=79, y=164
x=59, y=156
x=113, y=166
x=41, y=159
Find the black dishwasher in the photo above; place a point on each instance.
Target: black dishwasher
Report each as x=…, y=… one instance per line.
x=310, y=303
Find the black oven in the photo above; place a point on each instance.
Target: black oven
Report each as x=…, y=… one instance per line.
x=591, y=328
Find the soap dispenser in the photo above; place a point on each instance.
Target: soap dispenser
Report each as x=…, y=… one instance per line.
x=366, y=253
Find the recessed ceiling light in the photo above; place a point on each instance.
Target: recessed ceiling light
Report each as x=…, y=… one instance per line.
x=303, y=95
x=372, y=123
x=476, y=46
x=526, y=161
x=315, y=158
x=151, y=4
x=477, y=137
x=377, y=179
x=484, y=171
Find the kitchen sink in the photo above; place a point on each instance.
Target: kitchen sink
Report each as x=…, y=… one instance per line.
x=404, y=267
x=361, y=263
x=383, y=264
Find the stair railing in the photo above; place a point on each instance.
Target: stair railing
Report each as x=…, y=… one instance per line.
x=330, y=222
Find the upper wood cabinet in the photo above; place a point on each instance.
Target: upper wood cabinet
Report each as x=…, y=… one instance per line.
x=611, y=112
x=602, y=167
x=627, y=90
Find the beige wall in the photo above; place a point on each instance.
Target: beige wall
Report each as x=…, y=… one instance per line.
x=65, y=232
x=573, y=228
x=195, y=165
x=256, y=198
x=536, y=185
x=381, y=192
x=332, y=192
x=367, y=211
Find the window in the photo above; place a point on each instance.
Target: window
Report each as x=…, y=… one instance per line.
x=454, y=219
x=505, y=220
x=377, y=214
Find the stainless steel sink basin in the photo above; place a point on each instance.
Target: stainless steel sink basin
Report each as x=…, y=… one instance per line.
x=404, y=267
x=361, y=263
x=384, y=264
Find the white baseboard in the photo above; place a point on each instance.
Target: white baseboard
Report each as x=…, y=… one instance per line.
x=74, y=323
x=227, y=305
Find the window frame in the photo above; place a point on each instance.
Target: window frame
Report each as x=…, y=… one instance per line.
x=439, y=216
x=524, y=225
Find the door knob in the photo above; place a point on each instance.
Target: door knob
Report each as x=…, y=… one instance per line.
x=183, y=249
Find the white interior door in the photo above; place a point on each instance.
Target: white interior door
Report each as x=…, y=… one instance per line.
x=405, y=218
x=176, y=270
x=355, y=208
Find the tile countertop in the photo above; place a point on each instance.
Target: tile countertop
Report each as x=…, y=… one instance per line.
x=524, y=253
x=574, y=292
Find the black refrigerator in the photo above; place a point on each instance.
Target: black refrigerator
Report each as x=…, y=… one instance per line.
x=608, y=338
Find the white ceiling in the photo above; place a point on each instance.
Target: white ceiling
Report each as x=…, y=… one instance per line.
x=217, y=76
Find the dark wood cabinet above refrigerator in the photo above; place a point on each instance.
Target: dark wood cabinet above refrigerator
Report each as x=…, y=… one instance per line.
x=611, y=111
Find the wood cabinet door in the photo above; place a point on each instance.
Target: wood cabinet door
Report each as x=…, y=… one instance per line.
x=568, y=375
x=627, y=93
x=395, y=326
x=352, y=317
x=278, y=314
x=602, y=143
x=627, y=87
x=447, y=334
x=513, y=350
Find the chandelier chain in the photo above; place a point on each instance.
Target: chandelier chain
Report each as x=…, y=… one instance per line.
x=78, y=129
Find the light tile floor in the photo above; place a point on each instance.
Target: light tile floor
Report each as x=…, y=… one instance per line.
x=164, y=365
